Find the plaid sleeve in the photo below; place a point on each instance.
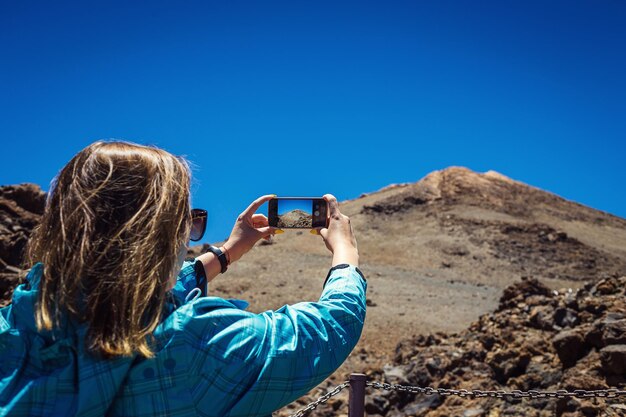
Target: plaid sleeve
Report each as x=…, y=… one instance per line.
x=191, y=276
x=304, y=343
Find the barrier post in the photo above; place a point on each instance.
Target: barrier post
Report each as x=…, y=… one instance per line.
x=356, y=401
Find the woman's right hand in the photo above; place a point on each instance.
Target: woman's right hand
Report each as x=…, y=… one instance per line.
x=249, y=228
x=338, y=236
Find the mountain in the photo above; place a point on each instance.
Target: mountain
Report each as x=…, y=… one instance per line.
x=295, y=218
x=438, y=254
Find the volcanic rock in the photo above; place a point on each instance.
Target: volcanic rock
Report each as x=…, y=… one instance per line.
x=614, y=359
x=570, y=346
x=21, y=206
x=507, y=350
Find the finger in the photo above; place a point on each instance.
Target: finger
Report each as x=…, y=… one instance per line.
x=259, y=218
x=256, y=225
x=333, y=206
x=247, y=213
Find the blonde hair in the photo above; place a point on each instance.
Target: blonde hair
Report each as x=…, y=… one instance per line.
x=116, y=217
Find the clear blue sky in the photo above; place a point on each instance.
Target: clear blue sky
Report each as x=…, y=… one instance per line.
x=298, y=98
x=285, y=206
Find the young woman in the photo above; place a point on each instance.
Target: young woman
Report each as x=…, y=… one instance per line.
x=111, y=319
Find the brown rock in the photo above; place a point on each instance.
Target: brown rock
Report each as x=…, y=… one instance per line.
x=608, y=286
x=541, y=317
x=21, y=207
x=565, y=317
x=576, y=380
x=508, y=363
x=613, y=332
x=570, y=346
x=613, y=359
x=525, y=288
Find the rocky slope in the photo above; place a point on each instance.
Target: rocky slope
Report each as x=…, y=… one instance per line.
x=295, y=218
x=21, y=206
x=537, y=339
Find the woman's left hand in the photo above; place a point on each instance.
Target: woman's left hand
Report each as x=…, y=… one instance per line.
x=249, y=229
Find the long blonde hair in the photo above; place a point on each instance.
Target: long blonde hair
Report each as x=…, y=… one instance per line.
x=116, y=217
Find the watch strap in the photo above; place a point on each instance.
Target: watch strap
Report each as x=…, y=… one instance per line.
x=221, y=256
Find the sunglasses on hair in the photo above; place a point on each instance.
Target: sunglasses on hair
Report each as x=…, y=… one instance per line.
x=198, y=224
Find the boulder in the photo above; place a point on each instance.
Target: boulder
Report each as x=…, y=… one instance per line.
x=613, y=359
x=569, y=346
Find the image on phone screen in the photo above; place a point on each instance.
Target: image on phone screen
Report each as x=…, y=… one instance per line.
x=297, y=213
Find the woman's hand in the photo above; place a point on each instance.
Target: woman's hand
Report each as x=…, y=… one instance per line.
x=249, y=229
x=339, y=237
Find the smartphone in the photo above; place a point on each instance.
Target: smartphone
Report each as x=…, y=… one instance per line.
x=297, y=212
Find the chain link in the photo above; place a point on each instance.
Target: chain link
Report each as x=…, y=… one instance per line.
x=474, y=393
x=312, y=406
x=579, y=393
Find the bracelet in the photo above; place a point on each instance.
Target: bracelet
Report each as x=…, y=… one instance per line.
x=227, y=254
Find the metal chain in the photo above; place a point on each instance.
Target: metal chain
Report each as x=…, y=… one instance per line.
x=474, y=393
x=579, y=393
x=312, y=406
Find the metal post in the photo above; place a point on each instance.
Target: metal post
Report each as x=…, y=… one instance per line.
x=356, y=402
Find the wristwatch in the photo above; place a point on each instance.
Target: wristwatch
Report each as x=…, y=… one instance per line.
x=221, y=256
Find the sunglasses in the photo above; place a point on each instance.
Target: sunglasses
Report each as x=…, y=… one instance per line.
x=198, y=224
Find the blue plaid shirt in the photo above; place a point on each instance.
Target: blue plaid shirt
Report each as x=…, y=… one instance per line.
x=213, y=358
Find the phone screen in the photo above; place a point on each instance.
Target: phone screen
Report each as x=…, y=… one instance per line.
x=297, y=212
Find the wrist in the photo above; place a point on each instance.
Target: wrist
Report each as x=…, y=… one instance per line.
x=345, y=248
x=231, y=251
x=346, y=255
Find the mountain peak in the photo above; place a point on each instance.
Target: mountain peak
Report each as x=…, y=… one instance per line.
x=456, y=179
x=449, y=181
x=453, y=186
